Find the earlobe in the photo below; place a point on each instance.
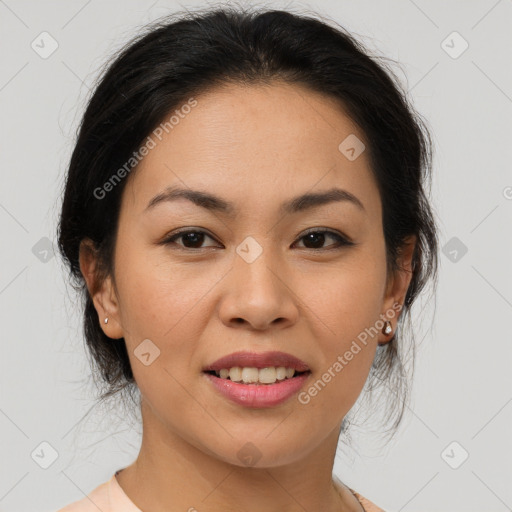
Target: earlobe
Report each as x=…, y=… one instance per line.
x=397, y=287
x=387, y=330
x=101, y=291
x=105, y=302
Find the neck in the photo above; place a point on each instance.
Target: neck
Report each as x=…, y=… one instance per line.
x=172, y=474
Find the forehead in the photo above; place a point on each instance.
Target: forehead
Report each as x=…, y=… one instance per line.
x=254, y=143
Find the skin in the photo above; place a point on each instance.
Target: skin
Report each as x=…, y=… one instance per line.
x=255, y=146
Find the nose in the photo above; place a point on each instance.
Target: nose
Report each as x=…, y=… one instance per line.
x=258, y=295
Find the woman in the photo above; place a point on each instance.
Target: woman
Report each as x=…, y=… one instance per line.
x=245, y=211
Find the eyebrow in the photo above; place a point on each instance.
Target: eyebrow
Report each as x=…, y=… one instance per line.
x=297, y=204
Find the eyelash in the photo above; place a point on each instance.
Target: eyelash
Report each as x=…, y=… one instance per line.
x=342, y=241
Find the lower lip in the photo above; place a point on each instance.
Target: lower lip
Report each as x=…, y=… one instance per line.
x=254, y=395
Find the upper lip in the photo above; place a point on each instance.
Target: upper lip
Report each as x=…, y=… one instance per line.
x=254, y=360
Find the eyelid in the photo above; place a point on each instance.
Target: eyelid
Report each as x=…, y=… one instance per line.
x=169, y=237
x=343, y=240
x=326, y=230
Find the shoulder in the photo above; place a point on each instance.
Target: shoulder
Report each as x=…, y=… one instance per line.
x=367, y=505
x=97, y=499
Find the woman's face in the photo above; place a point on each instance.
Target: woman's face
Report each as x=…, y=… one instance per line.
x=252, y=279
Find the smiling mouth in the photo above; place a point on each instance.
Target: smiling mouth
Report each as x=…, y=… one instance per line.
x=252, y=376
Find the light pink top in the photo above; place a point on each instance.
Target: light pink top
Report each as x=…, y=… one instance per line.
x=110, y=497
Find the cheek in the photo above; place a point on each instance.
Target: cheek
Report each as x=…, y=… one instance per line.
x=345, y=298
x=167, y=307
x=166, y=303
x=343, y=304
x=158, y=298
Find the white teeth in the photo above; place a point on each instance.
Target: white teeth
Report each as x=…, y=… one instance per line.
x=267, y=375
x=235, y=374
x=281, y=373
x=251, y=375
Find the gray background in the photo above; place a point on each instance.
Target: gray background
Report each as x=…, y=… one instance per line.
x=462, y=383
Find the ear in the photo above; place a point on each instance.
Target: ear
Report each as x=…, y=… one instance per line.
x=102, y=292
x=398, y=283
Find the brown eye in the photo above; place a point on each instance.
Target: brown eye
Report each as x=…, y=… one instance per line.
x=192, y=239
x=316, y=239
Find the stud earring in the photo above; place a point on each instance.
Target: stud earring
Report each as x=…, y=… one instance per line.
x=106, y=320
x=387, y=329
